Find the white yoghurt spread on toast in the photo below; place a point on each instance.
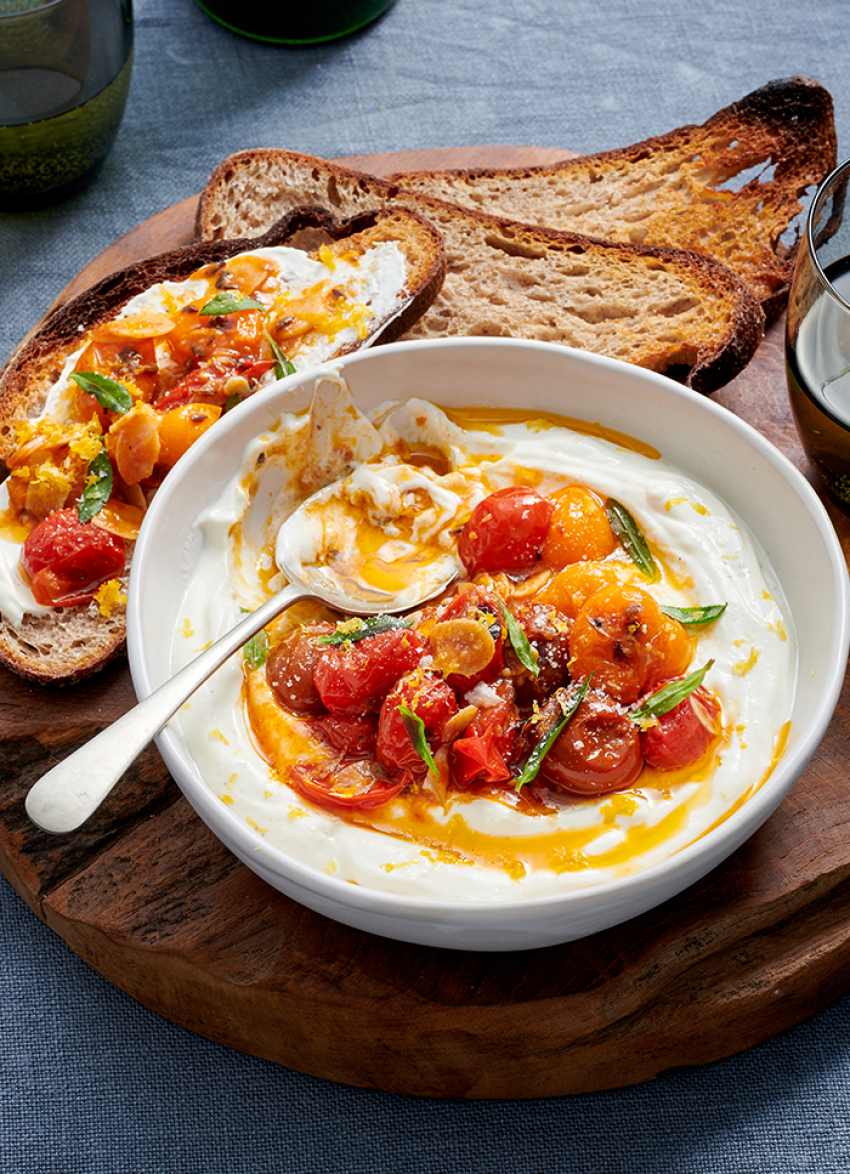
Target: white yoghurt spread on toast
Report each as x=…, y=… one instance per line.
x=706, y=555
x=373, y=283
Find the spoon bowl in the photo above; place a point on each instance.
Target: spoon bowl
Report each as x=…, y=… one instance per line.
x=64, y=798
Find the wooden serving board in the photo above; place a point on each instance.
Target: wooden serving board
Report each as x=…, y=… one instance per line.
x=149, y=898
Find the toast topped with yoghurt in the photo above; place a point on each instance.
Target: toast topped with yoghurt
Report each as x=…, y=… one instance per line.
x=111, y=391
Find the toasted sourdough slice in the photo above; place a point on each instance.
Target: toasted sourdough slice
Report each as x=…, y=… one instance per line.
x=665, y=309
x=730, y=188
x=71, y=642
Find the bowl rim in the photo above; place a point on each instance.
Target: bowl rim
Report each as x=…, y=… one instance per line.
x=377, y=902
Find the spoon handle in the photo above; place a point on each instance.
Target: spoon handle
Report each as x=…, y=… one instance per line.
x=68, y=794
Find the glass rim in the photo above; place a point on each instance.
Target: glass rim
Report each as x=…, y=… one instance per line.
x=22, y=13
x=838, y=173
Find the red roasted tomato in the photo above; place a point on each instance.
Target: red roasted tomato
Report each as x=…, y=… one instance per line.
x=684, y=733
x=351, y=678
x=66, y=560
x=431, y=699
x=352, y=786
x=506, y=531
x=485, y=751
x=598, y=751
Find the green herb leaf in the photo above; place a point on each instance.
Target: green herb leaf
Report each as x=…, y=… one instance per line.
x=98, y=487
x=109, y=393
x=232, y=401
x=543, y=747
x=228, y=303
x=695, y=617
x=353, y=630
x=519, y=641
x=256, y=650
x=668, y=697
x=415, y=727
x=631, y=538
x=284, y=367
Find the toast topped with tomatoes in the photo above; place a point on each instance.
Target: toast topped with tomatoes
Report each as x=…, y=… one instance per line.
x=117, y=384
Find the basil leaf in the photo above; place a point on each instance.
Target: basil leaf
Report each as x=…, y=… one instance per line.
x=256, y=650
x=631, y=538
x=98, y=488
x=109, y=393
x=695, y=617
x=284, y=366
x=353, y=630
x=228, y=303
x=669, y=696
x=415, y=727
x=519, y=641
x=232, y=401
x=543, y=747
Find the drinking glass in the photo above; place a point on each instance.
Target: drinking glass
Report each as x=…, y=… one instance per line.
x=295, y=24
x=817, y=340
x=64, y=76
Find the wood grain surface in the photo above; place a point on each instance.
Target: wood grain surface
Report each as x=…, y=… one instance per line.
x=149, y=898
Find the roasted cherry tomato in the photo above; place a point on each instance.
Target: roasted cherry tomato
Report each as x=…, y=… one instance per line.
x=579, y=530
x=289, y=670
x=431, y=699
x=66, y=560
x=181, y=427
x=484, y=753
x=548, y=632
x=352, y=678
x=354, y=736
x=684, y=733
x=621, y=636
x=506, y=531
x=348, y=787
x=598, y=751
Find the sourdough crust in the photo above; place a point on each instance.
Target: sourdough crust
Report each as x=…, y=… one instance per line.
x=666, y=309
x=688, y=199
x=71, y=643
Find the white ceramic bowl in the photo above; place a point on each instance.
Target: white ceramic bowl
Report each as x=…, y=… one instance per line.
x=698, y=436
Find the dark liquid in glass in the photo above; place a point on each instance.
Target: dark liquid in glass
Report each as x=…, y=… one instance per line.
x=63, y=88
x=295, y=24
x=818, y=371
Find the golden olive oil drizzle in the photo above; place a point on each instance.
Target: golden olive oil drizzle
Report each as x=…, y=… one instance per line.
x=484, y=419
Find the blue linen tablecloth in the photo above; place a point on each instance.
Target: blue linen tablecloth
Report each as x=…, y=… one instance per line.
x=92, y=1083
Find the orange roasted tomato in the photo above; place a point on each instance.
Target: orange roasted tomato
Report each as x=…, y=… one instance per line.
x=622, y=637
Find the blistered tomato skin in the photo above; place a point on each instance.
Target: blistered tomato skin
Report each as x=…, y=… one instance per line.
x=354, y=786
x=66, y=560
x=353, y=678
x=289, y=670
x=622, y=637
x=431, y=699
x=684, y=733
x=353, y=736
x=506, y=531
x=598, y=751
x=486, y=750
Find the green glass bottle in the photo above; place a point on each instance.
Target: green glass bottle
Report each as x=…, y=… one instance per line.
x=290, y=24
x=64, y=75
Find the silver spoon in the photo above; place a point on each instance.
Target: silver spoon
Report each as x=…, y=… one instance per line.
x=67, y=795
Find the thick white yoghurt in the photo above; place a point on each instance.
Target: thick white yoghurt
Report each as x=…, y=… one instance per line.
x=482, y=849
